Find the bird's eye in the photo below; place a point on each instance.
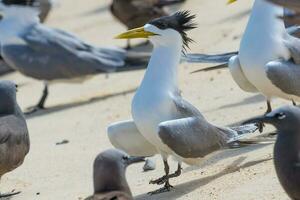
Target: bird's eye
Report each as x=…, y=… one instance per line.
x=280, y=115
x=125, y=157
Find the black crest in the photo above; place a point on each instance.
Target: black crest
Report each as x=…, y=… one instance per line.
x=180, y=21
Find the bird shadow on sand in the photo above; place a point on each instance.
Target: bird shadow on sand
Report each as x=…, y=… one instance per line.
x=188, y=187
x=249, y=100
x=67, y=106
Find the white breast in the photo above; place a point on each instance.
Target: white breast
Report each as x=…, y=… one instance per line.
x=263, y=42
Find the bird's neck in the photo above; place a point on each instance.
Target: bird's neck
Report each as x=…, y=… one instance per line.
x=162, y=68
x=264, y=18
x=108, y=183
x=12, y=27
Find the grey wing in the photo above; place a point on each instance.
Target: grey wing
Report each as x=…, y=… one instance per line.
x=125, y=136
x=14, y=141
x=192, y=137
x=205, y=58
x=239, y=76
x=183, y=107
x=49, y=54
x=293, y=44
x=285, y=76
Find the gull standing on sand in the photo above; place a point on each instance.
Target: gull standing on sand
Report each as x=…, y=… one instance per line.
x=14, y=138
x=158, y=108
x=53, y=55
x=109, y=175
x=287, y=147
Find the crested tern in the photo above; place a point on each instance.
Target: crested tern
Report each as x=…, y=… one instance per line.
x=268, y=58
x=158, y=103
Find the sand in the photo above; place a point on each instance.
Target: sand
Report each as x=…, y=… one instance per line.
x=80, y=114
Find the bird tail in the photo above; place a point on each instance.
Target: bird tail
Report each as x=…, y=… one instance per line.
x=134, y=61
x=205, y=58
x=211, y=68
x=247, y=135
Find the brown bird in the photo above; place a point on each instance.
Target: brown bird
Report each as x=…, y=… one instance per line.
x=14, y=138
x=44, y=6
x=109, y=175
x=136, y=13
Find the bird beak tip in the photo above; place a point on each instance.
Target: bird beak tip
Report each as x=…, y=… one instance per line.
x=230, y=2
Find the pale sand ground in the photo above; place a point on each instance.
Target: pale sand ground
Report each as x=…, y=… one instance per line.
x=81, y=113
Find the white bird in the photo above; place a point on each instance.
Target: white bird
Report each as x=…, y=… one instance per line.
x=158, y=109
x=268, y=56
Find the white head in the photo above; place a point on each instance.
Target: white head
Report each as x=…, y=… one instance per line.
x=165, y=30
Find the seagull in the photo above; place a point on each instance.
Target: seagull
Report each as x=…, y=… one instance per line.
x=136, y=13
x=109, y=175
x=158, y=103
x=53, y=55
x=14, y=138
x=44, y=6
x=287, y=147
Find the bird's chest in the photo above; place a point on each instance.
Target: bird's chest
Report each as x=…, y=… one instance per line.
x=149, y=109
x=256, y=51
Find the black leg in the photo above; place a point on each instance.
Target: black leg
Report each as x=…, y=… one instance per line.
x=294, y=103
x=165, y=179
x=128, y=46
x=41, y=103
x=269, y=109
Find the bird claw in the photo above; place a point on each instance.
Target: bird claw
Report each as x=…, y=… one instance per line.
x=159, y=181
x=166, y=188
x=260, y=126
x=33, y=109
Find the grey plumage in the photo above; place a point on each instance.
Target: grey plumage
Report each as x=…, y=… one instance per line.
x=109, y=175
x=287, y=147
x=285, y=74
x=191, y=136
x=14, y=138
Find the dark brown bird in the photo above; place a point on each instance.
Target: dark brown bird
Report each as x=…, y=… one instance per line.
x=136, y=13
x=109, y=175
x=292, y=17
x=44, y=6
x=14, y=138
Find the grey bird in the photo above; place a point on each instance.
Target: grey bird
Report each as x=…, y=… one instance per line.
x=287, y=147
x=136, y=13
x=44, y=6
x=52, y=55
x=109, y=175
x=14, y=138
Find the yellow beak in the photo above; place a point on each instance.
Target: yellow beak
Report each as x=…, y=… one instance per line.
x=135, y=33
x=231, y=1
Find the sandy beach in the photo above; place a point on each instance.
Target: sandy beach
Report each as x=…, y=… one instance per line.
x=80, y=113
